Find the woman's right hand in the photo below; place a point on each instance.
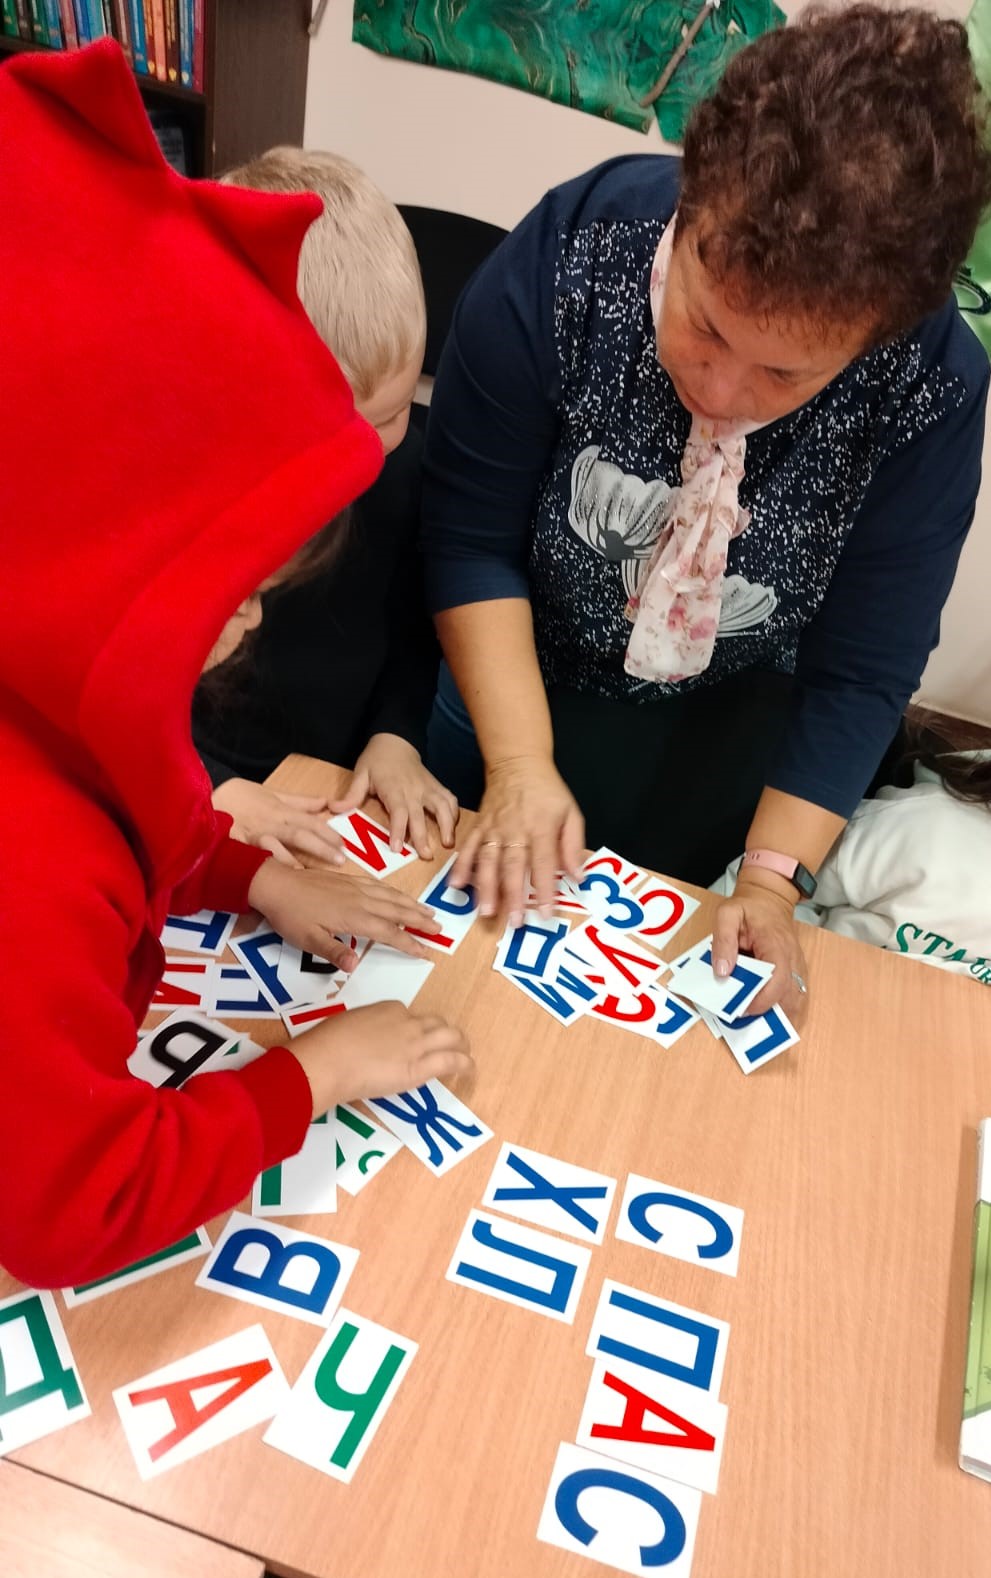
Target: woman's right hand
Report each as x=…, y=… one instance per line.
x=529, y=827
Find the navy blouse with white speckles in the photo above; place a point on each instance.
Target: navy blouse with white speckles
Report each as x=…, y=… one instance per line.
x=555, y=438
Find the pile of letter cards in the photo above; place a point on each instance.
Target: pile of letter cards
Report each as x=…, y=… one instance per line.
x=975, y=1431
x=649, y=1438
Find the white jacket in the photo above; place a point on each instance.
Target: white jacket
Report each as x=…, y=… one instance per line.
x=912, y=873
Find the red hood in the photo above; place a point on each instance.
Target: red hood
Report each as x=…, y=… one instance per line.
x=173, y=429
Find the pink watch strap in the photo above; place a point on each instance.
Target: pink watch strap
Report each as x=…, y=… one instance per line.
x=784, y=865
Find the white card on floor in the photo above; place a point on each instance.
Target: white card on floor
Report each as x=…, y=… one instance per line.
x=727, y=996
x=650, y=1012
x=197, y=1402
x=40, y=1388
x=654, y=1423
x=549, y=1193
x=432, y=1123
x=456, y=910
x=184, y=1044
x=686, y=1226
x=366, y=842
x=304, y=1184
x=520, y=1266
x=363, y=1148
x=662, y=1338
x=275, y=1268
x=193, y=1247
x=384, y=976
x=342, y=1395
x=208, y=931
x=754, y=1042
x=619, y=1516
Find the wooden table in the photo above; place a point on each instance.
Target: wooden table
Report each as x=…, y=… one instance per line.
x=854, y=1159
x=52, y=1530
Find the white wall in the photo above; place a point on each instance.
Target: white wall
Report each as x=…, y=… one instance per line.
x=450, y=141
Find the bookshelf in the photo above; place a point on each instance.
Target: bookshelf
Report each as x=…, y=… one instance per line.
x=254, y=94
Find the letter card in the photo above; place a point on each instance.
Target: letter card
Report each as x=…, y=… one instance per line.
x=40, y=1388
x=275, y=1268
x=193, y=1247
x=363, y=1148
x=367, y=843
x=304, y=1184
x=520, y=1266
x=620, y=1516
x=208, y=931
x=342, y=1396
x=432, y=1123
x=687, y=1226
x=456, y=910
x=755, y=1041
x=550, y=1193
x=660, y=1337
x=727, y=996
x=197, y=1402
x=654, y=1423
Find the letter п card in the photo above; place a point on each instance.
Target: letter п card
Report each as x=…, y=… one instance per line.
x=620, y=1516
x=432, y=1123
x=728, y=996
x=200, y=1400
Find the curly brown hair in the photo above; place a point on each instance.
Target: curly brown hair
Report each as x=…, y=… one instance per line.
x=841, y=167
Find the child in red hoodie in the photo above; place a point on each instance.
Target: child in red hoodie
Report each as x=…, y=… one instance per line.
x=174, y=431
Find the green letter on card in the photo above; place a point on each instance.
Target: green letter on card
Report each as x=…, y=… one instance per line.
x=54, y=1377
x=363, y=1405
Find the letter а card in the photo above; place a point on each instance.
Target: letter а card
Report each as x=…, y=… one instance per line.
x=620, y=1516
x=40, y=1387
x=275, y=1268
x=201, y=1400
x=549, y=1193
x=342, y=1396
x=686, y=1226
x=654, y=1423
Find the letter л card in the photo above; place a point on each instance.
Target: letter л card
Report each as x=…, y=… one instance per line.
x=549, y=1193
x=686, y=1226
x=342, y=1396
x=755, y=1041
x=362, y=1148
x=40, y=1388
x=654, y=1424
x=620, y=1516
x=275, y=1268
x=520, y=1266
x=366, y=842
x=432, y=1123
x=727, y=996
x=660, y=1337
x=304, y=1184
x=200, y=1400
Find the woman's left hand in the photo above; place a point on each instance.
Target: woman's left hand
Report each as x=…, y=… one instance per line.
x=762, y=923
x=390, y=769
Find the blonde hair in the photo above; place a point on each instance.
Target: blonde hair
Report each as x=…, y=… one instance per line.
x=359, y=279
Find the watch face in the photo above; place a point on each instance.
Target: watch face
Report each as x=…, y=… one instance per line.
x=804, y=881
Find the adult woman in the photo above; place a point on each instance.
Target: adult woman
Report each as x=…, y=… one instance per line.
x=789, y=349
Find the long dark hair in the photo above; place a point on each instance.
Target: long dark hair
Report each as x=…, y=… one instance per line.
x=939, y=747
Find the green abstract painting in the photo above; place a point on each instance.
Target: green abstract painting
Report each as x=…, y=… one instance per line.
x=601, y=56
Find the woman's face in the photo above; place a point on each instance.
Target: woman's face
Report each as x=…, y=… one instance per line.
x=730, y=366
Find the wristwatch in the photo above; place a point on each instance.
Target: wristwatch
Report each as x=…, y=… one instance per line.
x=785, y=866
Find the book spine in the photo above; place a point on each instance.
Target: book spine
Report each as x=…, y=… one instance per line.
x=186, y=43
x=10, y=19
x=53, y=23
x=39, y=32
x=138, y=36
x=23, y=20
x=172, y=39
x=122, y=29
x=94, y=11
x=199, y=45
x=82, y=21
x=146, y=12
x=68, y=24
x=158, y=19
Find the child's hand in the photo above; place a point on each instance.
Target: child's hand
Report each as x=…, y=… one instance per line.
x=378, y=1051
x=308, y=907
x=278, y=822
x=391, y=770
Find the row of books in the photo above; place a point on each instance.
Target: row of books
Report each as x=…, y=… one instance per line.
x=161, y=38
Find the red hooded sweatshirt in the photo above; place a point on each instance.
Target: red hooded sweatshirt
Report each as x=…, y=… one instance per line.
x=173, y=430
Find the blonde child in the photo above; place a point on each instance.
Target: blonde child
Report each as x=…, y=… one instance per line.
x=344, y=667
